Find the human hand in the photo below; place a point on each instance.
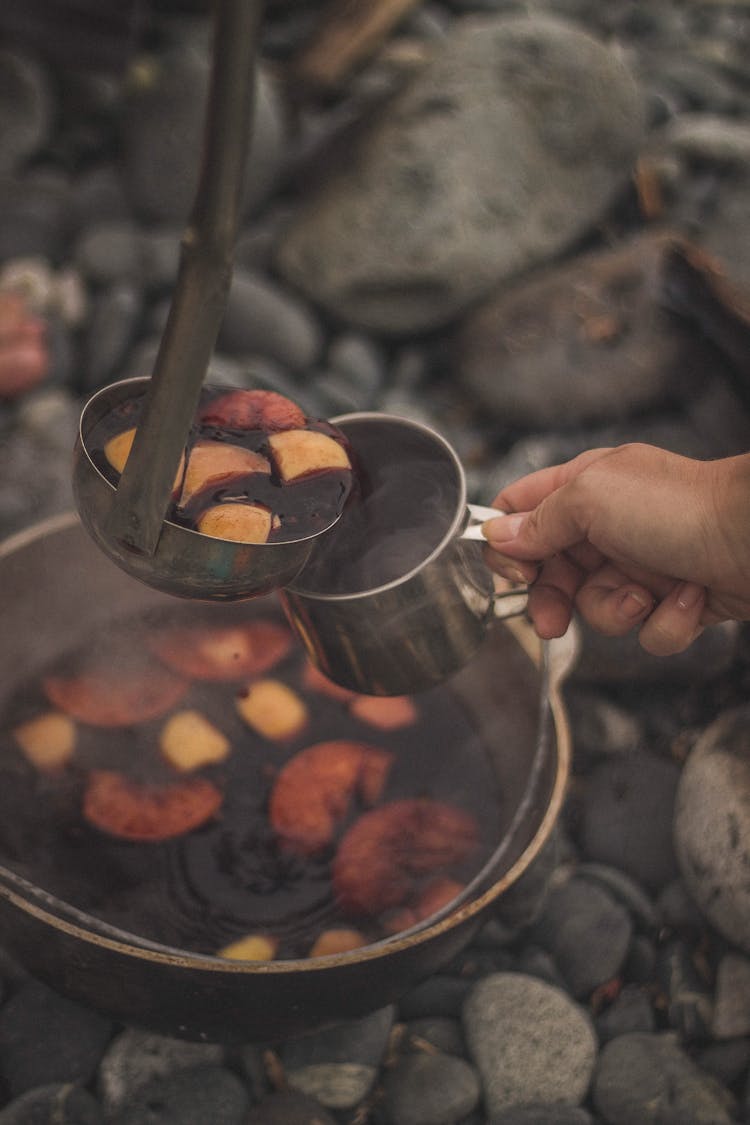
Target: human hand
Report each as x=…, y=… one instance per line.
x=631, y=537
x=24, y=359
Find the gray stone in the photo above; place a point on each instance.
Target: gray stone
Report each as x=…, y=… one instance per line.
x=54, y=1104
x=163, y=123
x=188, y=1097
x=587, y=932
x=428, y=1089
x=439, y=1032
x=732, y=997
x=630, y=1011
x=288, y=1108
x=45, y=1039
x=26, y=108
x=264, y=319
x=542, y=1115
x=645, y=1079
x=460, y=185
x=136, y=1057
x=108, y=252
x=530, y=1042
x=585, y=342
x=111, y=331
x=712, y=825
x=626, y=819
x=339, y=1066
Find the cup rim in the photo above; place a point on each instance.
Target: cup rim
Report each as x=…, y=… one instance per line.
x=456, y=526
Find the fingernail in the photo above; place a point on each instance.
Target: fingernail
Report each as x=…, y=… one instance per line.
x=503, y=528
x=688, y=595
x=634, y=605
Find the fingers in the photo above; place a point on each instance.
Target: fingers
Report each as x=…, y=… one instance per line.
x=676, y=621
x=612, y=604
x=529, y=491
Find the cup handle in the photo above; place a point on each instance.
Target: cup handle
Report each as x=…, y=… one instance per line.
x=506, y=603
x=477, y=516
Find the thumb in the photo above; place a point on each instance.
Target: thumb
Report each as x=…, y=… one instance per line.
x=550, y=528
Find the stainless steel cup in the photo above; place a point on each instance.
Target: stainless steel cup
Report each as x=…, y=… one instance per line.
x=397, y=597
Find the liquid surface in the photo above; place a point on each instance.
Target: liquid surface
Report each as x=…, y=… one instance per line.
x=231, y=876
x=299, y=508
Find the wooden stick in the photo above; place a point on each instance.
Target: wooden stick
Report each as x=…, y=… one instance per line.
x=199, y=301
x=350, y=31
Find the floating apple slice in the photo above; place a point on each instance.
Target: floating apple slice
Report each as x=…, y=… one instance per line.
x=116, y=695
x=386, y=712
x=253, y=410
x=314, y=790
x=231, y=652
x=254, y=947
x=241, y=523
x=117, y=451
x=188, y=741
x=273, y=710
x=337, y=941
x=212, y=463
x=48, y=741
x=124, y=808
x=297, y=453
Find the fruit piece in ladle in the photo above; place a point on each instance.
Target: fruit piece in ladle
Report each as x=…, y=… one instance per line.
x=253, y=410
x=188, y=741
x=117, y=451
x=240, y=523
x=212, y=463
x=339, y=940
x=297, y=453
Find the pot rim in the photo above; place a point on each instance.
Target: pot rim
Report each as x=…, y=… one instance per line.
x=40, y=904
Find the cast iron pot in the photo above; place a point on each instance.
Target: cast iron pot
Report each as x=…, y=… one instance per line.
x=57, y=586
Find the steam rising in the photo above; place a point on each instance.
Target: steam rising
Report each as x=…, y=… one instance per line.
x=405, y=504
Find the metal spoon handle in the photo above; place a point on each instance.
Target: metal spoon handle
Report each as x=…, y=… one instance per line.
x=202, y=286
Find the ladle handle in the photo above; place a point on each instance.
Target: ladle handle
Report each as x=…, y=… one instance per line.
x=202, y=286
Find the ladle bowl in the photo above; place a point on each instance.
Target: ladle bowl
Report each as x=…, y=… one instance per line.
x=185, y=563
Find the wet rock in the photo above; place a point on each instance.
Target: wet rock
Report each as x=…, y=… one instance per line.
x=45, y=1038
x=630, y=1011
x=26, y=109
x=188, y=1097
x=54, y=1104
x=530, y=1042
x=647, y=1080
x=622, y=660
x=587, y=933
x=712, y=825
x=439, y=995
x=136, y=1057
x=732, y=998
x=34, y=211
x=626, y=821
x=112, y=329
x=288, y=1108
x=689, y=1003
x=109, y=252
x=586, y=342
x=441, y=1033
x=163, y=118
x=428, y=1089
x=339, y=1066
x=460, y=185
x=540, y=1114
x=263, y=319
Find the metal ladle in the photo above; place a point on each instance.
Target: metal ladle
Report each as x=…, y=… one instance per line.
x=128, y=522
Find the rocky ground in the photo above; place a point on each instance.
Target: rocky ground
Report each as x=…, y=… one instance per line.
x=527, y=224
